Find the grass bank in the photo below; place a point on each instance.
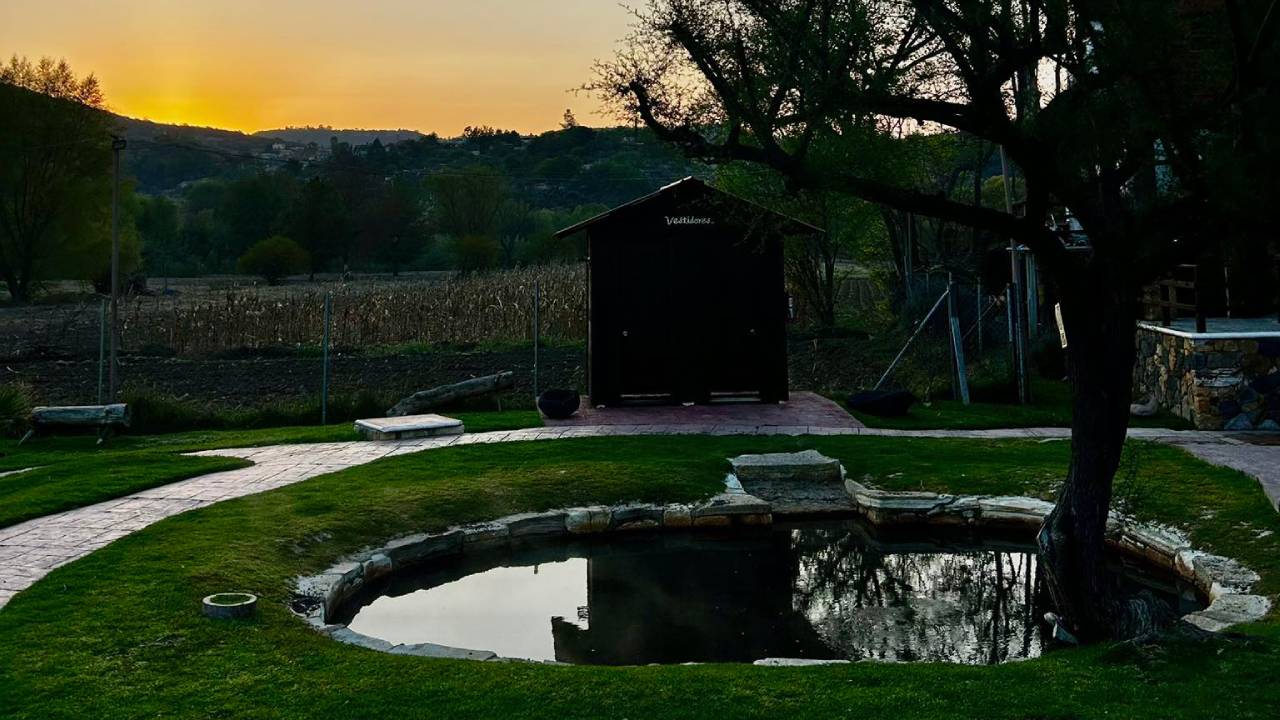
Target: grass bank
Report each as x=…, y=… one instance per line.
x=1050, y=406
x=61, y=473
x=119, y=634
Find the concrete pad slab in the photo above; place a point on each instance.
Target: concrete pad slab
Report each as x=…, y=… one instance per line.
x=410, y=426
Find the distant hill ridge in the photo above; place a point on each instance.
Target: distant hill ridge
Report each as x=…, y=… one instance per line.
x=353, y=136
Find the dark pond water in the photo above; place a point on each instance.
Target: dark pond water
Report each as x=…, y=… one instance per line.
x=827, y=591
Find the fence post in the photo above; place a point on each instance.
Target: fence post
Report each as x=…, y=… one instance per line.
x=961, y=387
x=980, y=314
x=1008, y=312
x=324, y=351
x=1032, y=273
x=911, y=339
x=102, y=348
x=537, y=334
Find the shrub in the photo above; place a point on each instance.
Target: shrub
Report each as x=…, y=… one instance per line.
x=476, y=253
x=274, y=259
x=15, y=409
x=157, y=413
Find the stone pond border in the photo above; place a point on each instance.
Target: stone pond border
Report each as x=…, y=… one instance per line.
x=1226, y=582
x=318, y=598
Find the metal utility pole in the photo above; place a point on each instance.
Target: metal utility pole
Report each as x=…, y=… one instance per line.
x=117, y=146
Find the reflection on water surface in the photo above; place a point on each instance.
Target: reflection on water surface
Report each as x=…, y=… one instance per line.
x=814, y=591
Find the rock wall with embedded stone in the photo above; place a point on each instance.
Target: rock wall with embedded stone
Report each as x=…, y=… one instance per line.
x=1231, y=384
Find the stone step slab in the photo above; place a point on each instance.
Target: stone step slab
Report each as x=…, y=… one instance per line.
x=803, y=466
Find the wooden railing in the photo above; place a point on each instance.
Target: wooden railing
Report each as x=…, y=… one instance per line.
x=1166, y=299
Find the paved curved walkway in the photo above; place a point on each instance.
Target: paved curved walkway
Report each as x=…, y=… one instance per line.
x=31, y=549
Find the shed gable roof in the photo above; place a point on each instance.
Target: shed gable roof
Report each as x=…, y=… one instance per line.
x=688, y=183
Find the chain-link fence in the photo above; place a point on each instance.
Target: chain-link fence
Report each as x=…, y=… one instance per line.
x=246, y=345
x=219, y=346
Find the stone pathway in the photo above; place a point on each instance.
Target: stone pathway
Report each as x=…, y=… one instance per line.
x=30, y=550
x=804, y=408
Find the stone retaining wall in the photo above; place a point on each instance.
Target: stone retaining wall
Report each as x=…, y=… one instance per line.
x=1215, y=383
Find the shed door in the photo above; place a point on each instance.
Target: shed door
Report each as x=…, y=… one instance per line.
x=644, y=335
x=738, y=319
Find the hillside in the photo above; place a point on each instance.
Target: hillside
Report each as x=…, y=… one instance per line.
x=323, y=134
x=560, y=168
x=162, y=157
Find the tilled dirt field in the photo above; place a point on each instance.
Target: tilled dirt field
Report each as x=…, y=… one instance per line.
x=255, y=381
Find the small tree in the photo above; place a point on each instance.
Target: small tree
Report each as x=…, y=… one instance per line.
x=467, y=201
x=274, y=259
x=475, y=253
x=55, y=165
x=319, y=220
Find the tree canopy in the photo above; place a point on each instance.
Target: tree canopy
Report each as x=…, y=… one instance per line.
x=1127, y=114
x=55, y=163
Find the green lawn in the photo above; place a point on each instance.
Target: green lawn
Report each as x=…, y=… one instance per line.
x=1050, y=407
x=70, y=472
x=119, y=633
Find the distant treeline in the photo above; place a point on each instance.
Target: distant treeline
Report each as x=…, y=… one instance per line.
x=490, y=198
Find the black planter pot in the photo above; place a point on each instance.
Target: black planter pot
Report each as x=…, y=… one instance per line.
x=558, y=404
x=882, y=403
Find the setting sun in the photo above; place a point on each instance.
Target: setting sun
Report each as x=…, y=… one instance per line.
x=430, y=66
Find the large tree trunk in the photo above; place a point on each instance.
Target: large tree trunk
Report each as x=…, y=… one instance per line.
x=17, y=285
x=427, y=400
x=1100, y=315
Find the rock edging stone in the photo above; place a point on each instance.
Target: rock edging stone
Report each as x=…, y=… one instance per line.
x=323, y=594
x=1226, y=582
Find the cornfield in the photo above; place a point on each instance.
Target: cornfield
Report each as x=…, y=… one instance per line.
x=496, y=307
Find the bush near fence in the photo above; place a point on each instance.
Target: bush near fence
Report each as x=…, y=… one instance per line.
x=494, y=307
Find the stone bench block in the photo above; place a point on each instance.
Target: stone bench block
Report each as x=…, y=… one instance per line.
x=410, y=426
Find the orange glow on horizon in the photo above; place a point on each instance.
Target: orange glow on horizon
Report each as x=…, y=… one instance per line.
x=432, y=66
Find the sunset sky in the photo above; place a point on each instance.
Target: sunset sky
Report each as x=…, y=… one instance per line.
x=429, y=65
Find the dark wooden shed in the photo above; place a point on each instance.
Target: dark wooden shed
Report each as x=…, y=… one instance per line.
x=686, y=298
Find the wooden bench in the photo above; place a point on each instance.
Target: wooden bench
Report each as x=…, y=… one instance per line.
x=105, y=418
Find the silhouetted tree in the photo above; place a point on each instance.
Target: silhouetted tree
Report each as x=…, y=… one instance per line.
x=318, y=222
x=1159, y=99
x=55, y=170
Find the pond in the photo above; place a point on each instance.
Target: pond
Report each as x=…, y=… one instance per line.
x=816, y=591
